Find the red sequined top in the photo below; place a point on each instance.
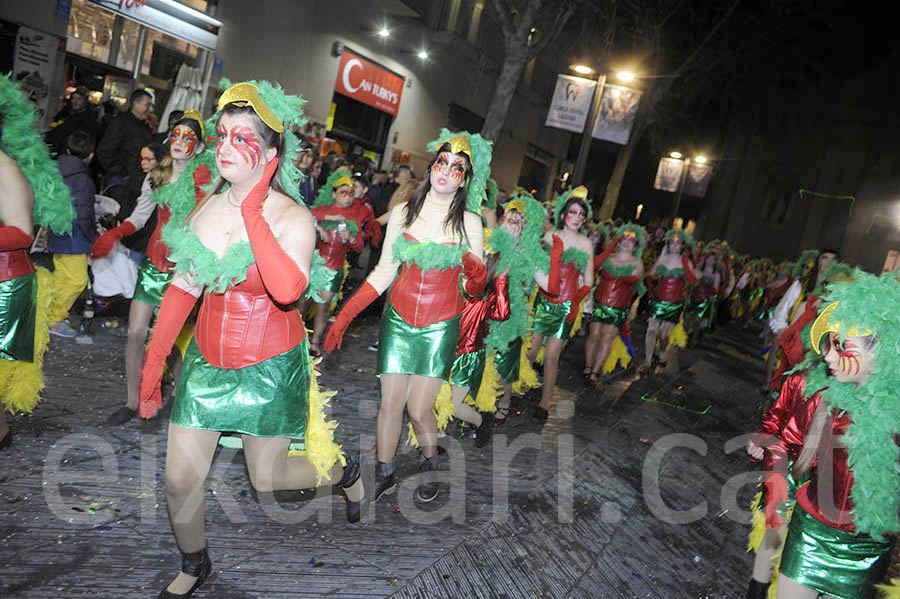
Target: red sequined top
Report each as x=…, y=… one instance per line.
x=332, y=250
x=473, y=324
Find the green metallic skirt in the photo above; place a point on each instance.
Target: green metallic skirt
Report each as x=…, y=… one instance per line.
x=608, y=315
x=705, y=308
x=832, y=561
x=507, y=362
x=407, y=349
x=468, y=369
x=550, y=318
x=334, y=281
x=151, y=283
x=668, y=311
x=18, y=312
x=268, y=399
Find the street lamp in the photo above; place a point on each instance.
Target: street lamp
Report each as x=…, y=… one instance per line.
x=699, y=159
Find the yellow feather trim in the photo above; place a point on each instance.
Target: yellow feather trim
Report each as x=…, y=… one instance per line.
x=618, y=354
x=540, y=357
x=528, y=378
x=890, y=590
x=678, y=336
x=21, y=383
x=443, y=406
x=411, y=435
x=321, y=450
x=340, y=294
x=579, y=317
x=489, y=391
x=184, y=338
x=758, y=524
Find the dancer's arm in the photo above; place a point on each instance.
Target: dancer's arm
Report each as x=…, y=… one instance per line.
x=600, y=258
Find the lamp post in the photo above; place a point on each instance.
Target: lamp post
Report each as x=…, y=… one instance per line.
x=684, y=173
x=586, y=135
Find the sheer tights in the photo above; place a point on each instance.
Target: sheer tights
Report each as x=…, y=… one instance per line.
x=603, y=335
x=552, y=349
x=768, y=549
x=416, y=394
x=139, y=316
x=462, y=410
x=320, y=320
x=788, y=589
x=655, y=328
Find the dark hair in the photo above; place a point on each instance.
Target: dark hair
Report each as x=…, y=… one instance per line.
x=176, y=116
x=162, y=173
x=270, y=139
x=561, y=219
x=159, y=150
x=80, y=144
x=362, y=179
x=138, y=94
x=405, y=167
x=455, y=216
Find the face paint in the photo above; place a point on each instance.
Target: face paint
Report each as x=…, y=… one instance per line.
x=183, y=141
x=848, y=360
x=575, y=215
x=848, y=356
x=343, y=196
x=448, y=172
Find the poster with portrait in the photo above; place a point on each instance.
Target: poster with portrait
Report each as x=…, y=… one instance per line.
x=697, y=180
x=571, y=103
x=618, y=107
x=33, y=63
x=668, y=174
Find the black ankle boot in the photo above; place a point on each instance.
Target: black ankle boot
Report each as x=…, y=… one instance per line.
x=428, y=490
x=757, y=589
x=385, y=480
x=193, y=564
x=483, y=432
x=352, y=471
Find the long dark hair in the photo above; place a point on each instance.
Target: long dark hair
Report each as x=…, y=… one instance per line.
x=561, y=219
x=270, y=138
x=454, y=220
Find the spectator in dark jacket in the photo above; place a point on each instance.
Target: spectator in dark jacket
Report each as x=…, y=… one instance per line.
x=119, y=151
x=77, y=115
x=70, y=251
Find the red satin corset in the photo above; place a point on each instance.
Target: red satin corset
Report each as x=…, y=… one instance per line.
x=473, y=324
x=243, y=326
x=14, y=263
x=704, y=290
x=615, y=292
x=568, y=283
x=157, y=251
x=424, y=298
x=670, y=289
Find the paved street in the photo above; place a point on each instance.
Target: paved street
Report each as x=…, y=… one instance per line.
x=583, y=506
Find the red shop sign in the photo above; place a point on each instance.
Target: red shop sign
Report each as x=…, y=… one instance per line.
x=369, y=83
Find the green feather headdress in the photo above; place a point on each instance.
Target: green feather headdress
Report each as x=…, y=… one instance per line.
x=869, y=303
x=288, y=109
x=324, y=196
x=837, y=272
x=480, y=157
x=491, y=190
x=807, y=256
x=561, y=202
x=685, y=237
x=639, y=232
x=22, y=141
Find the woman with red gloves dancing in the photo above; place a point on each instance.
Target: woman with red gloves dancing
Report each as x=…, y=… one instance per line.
x=433, y=239
x=620, y=271
x=555, y=313
x=675, y=273
x=339, y=224
x=155, y=270
x=248, y=250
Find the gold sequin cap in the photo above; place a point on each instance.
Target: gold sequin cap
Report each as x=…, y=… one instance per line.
x=247, y=94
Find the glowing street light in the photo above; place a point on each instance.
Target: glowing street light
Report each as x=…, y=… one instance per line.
x=625, y=76
x=582, y=69
x=423, y=55
x=700, y=159
x=383, y=32
x=676, y=155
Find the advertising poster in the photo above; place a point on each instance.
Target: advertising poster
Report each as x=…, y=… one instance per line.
x=571, y=103
x=618, y=107
x=33, y=63
x=697, y=180
x=668, y=174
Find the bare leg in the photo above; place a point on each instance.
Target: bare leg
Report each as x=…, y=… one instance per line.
x=552, y=350
x=189, y=456
x=139, y=316
x=788, y=589
x=504, y=401
x=536, y=341
x=771, y=543
x=321, y=319
x=669, y=355
x=420, y=398
x=591, y=344
x=650, y=341
x=461, y=409
x=394, y=389
x=605, y=337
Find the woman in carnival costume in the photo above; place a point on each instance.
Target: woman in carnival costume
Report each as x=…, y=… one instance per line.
x=176, y=181
x=704, y=298
x=674, y=273
x=619, y=273
x=339, y=226
x=248, y=251
x=434, y=239
x=521, y=229
x=843, y=433
x=31, y=192
x=555, y=314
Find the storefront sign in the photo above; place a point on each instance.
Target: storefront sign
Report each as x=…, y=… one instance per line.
x=33, y=65
x=618, y=107
x=571, y=103
x=369, y=83
x=170, y=17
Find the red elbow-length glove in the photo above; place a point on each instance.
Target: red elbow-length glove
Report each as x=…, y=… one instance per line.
x=173, y=312
x=576, y=302
x=553, y=278
x=688, y=269
x=776, y=497
x=281, y=276
x=600, y=258
x=104, y=244
x=14, y=238
x=356, y=304
x=475, y=273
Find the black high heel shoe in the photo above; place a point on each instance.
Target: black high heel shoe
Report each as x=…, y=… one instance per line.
x=193, y=564
x=352, y=472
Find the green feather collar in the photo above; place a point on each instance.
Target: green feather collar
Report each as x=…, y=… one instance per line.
x=427, y=255
x=576, y=256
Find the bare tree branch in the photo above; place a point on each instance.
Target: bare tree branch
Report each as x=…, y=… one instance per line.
x=709, y=36
x=561, y=19
x=504, y=15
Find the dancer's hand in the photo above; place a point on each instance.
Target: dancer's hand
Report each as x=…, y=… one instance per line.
x=755, y=451
x=576, y=303
x=105, y=243
x=776, y=497
x=254, y=200
x=356, y=304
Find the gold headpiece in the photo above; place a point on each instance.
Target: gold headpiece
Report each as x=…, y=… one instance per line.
x=192, y=114
x=629, y=233
x=824, y=325
x=244, y=94
x=515, y=205
x=344, y=180
x=579, y=192
x=460, y=145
